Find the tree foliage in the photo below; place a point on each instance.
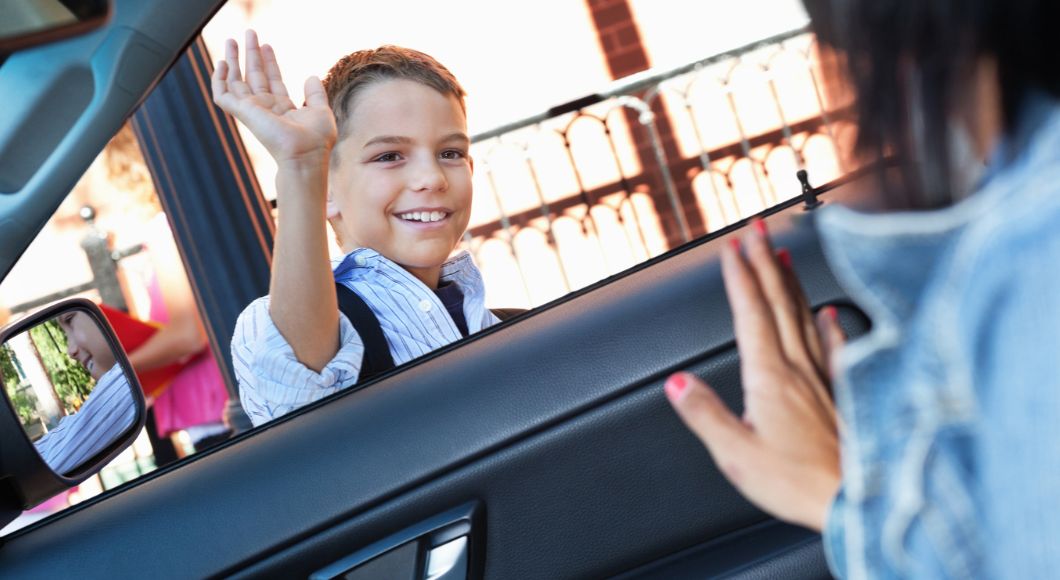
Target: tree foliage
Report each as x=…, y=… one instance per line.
x=71, y=381
x=21, y=398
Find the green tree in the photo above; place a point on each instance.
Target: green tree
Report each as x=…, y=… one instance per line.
x=71, y=381
x=22, y=399
x=8, y=371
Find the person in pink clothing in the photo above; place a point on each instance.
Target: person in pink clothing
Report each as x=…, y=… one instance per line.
x=194, y=402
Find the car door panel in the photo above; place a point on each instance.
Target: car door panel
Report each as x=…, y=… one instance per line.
x=556, y=424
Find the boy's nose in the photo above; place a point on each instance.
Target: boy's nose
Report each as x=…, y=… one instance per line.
x=429, y=177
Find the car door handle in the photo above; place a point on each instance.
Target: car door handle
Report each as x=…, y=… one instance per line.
x=448, y=561
x=439, y=548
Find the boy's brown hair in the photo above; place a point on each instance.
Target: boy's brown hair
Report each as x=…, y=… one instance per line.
x=357, y=70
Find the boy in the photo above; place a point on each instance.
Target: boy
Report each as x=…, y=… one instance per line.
x=107, y=413
x=381, y=149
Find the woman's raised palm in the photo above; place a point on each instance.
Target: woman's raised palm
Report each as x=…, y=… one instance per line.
x=260, y=101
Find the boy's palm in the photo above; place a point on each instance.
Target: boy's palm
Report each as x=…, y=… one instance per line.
x=261, y=103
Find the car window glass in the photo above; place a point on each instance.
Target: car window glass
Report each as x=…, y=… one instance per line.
x=110, y=242
x=564, y=202
x=585, y=165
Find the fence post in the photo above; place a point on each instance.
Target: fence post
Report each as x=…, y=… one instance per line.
x=96, y=245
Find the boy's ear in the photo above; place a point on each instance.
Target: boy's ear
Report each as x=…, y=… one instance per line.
x=332, y=208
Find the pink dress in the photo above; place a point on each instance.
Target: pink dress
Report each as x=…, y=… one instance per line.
x=197, y=395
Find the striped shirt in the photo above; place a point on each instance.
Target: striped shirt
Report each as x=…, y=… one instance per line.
x=272, y=382
x=108, y=412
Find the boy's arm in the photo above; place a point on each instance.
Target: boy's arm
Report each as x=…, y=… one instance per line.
x=303, y=304
x=272, y=382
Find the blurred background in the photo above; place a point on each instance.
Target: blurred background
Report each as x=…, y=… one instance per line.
x=605, y=133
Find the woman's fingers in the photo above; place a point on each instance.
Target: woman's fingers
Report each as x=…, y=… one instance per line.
x=728, y=439
x=777, y=292
x=832, y=336
x=813, y=367
x=811, y=338
x=256, y=78
x=753, y=325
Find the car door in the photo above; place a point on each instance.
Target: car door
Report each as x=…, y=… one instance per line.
x=541, y=448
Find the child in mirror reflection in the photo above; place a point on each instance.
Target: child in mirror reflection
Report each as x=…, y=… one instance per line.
x=109, y=410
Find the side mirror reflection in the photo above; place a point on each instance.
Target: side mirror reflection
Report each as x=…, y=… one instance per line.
x=64, y=381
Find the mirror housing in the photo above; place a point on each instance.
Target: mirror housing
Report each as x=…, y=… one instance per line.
x=26, y=479
x=28, y=23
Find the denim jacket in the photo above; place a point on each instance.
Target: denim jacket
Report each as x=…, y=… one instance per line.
x=950, y=405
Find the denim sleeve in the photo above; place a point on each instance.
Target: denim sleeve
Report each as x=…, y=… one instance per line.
x=1017, y=355
x=834, y=537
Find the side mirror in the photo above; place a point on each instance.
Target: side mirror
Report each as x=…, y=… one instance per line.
x=70, y=403
x=26, y=23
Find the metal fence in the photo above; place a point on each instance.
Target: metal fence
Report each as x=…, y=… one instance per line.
x=595, y=186
x=103, y=260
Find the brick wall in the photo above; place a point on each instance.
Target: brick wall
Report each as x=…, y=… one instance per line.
x=623, y=49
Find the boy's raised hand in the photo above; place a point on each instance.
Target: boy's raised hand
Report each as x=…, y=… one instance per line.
x=260, y=102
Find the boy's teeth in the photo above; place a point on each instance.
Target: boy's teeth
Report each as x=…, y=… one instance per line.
x=423, y=216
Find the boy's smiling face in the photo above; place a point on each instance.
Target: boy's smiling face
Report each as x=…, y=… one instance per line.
x=401, y=180
x=85, y=343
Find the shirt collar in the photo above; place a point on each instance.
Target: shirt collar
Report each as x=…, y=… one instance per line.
x=344, y=268
x=1036, y=111
x=881, y=259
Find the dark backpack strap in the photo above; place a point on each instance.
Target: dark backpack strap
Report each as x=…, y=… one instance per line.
x=377, y=359
x=506, y=313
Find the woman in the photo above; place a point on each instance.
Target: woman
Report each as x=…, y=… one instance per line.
x=194, y=401
x=944, y=459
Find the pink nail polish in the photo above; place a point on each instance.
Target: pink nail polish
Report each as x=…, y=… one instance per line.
x=785, y=257
x=734, y=242
x=760, y=227
x=832, y=313
x=675, y=386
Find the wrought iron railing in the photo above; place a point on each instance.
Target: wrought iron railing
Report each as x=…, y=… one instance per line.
x=592, y=187
x=103, y=260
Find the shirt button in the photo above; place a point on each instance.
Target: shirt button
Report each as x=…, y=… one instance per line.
x=425, y=305
x=360, y=260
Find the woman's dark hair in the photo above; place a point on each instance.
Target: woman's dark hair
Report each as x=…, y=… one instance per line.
x=909, y=63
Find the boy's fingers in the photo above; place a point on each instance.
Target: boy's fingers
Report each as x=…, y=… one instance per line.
x=272, y=71
x=256, y=78
x=234, y=79
x=727, y=438
x=217, y=81
x=314, y=93
x=232, y=59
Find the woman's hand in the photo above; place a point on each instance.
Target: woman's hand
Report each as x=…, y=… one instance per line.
x=261, y=103
x=783, y=455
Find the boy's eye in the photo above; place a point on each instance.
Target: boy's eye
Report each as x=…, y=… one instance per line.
x=453, y=154
x=387, y=157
